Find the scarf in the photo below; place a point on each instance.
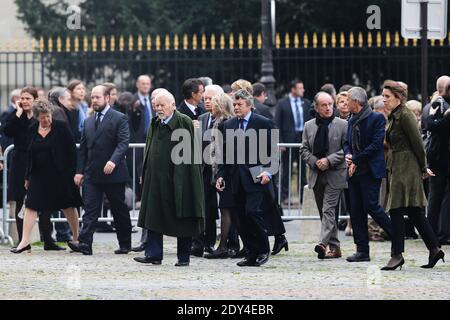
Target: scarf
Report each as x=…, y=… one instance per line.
x=321, y=141
x=356, y=131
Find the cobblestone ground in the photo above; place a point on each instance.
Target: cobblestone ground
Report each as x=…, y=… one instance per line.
x=296, y=274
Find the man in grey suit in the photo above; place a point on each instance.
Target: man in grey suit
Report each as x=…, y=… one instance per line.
x=102, y=169
x=322, y=150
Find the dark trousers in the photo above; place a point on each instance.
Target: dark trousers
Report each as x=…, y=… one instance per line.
x=154, y=246
x=295, y=157
x=208, y=238
x=233, y=236
x=418, y=219
x=252, y=227
x=365, y=200
x=93, y=200
x=439, y=206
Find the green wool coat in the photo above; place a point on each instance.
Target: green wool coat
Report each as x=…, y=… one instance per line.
x=406, y=160
x=172, y=195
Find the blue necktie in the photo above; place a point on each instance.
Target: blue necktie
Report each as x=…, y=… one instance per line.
x=299, y=122
x=146, y=115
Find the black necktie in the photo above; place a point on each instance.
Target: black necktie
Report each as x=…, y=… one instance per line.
x=211, y=124
x=97, y=120
x=241, y=124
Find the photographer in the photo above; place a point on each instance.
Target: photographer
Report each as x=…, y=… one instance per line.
x=438, y=156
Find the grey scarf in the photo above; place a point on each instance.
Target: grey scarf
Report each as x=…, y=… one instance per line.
x=356, y=132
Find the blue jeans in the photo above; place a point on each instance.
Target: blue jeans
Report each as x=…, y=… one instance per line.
x=154, y=247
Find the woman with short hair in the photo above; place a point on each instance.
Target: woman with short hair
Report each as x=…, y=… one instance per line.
x=51, y=166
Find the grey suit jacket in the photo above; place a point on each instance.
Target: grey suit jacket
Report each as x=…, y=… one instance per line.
x=337, y=173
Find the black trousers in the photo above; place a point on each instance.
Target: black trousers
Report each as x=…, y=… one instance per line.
x=208, y=238
x=439, y=206
x=252, y=226
x=154, y=247
x=418, y=219
x=93, y=200
x=295, y=157
x=364, y=197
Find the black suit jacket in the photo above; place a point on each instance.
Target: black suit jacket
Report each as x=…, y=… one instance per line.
x=236, y=173
x=284, y=119
x=108, y=143
x=184, y=109
x=137, y=120
x=64, y=149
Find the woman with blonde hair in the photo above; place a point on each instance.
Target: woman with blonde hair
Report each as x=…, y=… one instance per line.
x=406, y=192
x=222, y=110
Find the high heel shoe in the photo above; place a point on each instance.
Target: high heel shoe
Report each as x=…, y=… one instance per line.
x=433, y=260
x=27, y=248
x=279, y=245
x=400, y=264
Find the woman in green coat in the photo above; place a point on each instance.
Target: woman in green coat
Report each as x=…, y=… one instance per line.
x=406, y=164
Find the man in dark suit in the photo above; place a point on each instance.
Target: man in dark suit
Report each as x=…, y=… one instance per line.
x=193, y=95
x=102, y=169
x=207, y=240
x=260, y=95
x=364, y=155
x=291, y=115
x=245, y=130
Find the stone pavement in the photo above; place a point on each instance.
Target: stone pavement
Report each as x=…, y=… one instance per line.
x=296, y=274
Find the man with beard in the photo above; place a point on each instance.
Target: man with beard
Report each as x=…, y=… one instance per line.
x=102, y=169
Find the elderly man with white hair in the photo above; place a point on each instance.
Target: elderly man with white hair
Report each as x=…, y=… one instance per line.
x=172, y=195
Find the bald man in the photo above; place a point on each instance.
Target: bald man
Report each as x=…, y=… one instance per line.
x=172, y=195
x=440, y=88
x=102, y=170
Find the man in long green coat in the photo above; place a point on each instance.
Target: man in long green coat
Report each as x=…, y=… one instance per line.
x=172, y=195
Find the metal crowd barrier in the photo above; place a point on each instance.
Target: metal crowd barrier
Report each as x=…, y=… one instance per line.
x=289, y=213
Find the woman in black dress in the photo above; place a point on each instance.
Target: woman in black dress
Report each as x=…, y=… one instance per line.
x=16, y=127
x=222, y=110
x=51, y=166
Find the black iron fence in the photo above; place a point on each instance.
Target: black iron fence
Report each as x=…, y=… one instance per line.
x=358, y=59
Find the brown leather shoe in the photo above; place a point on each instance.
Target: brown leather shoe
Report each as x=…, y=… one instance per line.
x=321, y=251
x=333, y=253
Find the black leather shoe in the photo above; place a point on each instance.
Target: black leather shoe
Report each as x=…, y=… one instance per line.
x=198, y=252
x=232, y=252
x=139, y=248
x=280, y=243
x=261, y=259
x=27, y=249
x=247, y=262
x=217, y=254
x=182, y=264
x=80, y=247
x=241, y=254
x=52, y=246
x=209, y=249
x=122, y=251
x=147, y=260
x=359, y=257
